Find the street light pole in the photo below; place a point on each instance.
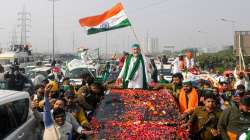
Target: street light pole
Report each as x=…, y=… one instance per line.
x=53, y=40
x=1, y=28
x=241, y=57
x=53, y=30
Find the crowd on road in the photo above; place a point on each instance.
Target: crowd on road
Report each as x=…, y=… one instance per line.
x=70, y=109
x=209, y=111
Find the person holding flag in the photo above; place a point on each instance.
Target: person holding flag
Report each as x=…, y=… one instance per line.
x=134, y=72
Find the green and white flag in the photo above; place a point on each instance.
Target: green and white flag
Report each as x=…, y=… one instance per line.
x=112, y=19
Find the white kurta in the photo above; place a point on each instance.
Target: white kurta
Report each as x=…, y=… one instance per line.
x=243, y=136
x=189, y=62
x=244, y=81
x=137, y=81
x=56, y=132
x=175, y=68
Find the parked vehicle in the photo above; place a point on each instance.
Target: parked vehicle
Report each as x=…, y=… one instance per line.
x=28, y=69
x=171, y=60
x=40, y=70
x=23, y=58
x=166, y=72
x=76, y=68
x=17, y=120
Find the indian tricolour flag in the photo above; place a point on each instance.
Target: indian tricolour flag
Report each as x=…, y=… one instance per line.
x=114, y=18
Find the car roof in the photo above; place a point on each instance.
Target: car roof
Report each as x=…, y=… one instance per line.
x=11, y=95
x=30, y=66
x=41, y=69
x=76, y=64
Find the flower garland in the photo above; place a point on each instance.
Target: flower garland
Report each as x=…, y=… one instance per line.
x=146, y=115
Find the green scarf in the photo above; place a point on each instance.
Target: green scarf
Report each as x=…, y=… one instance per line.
x=163, y=81
x=105, y=74
x=134, y=69
x=248, y=135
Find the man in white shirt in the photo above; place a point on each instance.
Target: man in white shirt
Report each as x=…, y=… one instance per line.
x=134, y=72
x=241, y=79
x=178, y=64
x=56, y=125
x=189, y=63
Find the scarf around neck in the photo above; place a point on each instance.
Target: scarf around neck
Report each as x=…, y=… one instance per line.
x=134, y=69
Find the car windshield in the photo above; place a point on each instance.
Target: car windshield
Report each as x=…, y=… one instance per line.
x=77, y=73
x=165, y=71
x=33, y=74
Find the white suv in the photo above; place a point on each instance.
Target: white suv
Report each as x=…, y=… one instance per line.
x=17, y=121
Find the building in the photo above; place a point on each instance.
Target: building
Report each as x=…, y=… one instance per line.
x=242, y=41
x=153, y=48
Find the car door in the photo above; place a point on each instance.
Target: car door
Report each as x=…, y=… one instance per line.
x=26, y=124
x=8, y=123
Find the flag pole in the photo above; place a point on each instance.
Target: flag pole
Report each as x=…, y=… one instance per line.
x=106, y=45
x=133, y=30
x=128, y=43
x=137, y=38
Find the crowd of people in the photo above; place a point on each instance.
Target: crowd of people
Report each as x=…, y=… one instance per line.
x=211, y=112
x=65, y=112
x=208, y=111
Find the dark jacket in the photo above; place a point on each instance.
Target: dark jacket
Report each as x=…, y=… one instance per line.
x=205, y=121
x=234, y=121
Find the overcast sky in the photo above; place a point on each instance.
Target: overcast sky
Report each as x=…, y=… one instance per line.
x=180, y=23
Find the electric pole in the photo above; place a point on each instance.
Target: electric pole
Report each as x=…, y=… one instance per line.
x=24, y=25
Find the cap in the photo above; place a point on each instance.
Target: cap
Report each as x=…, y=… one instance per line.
x=56, y=69
x=180, y=54
x=135, y=46
x=54, y=85
x=245, y=100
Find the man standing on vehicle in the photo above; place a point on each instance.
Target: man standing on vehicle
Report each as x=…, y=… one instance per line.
x=134, y=72
x=178, y=65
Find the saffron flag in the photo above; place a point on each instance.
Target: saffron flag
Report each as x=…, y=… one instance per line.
x=113, y=18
